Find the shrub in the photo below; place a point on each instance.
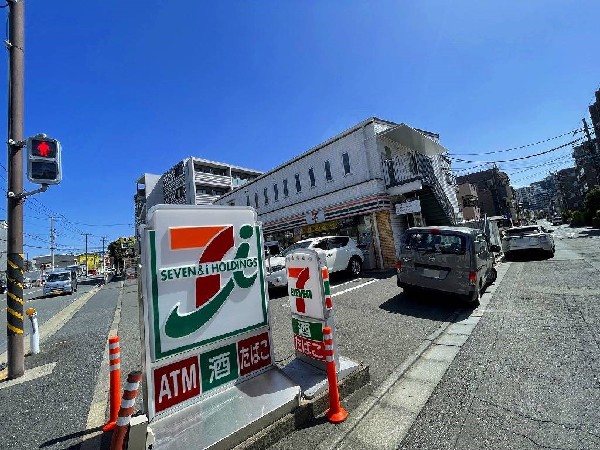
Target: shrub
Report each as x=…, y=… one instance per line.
x=578, y=219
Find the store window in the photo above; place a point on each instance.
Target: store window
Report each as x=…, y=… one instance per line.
x=346, y=162
x=276, y=192
x=298, y=185
x=311, y=175
x=266, y=194
x=285, y=188
x=328, y=176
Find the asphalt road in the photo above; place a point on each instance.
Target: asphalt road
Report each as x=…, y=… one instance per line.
x=46, y=307
x=51, y=411
x=525, y=378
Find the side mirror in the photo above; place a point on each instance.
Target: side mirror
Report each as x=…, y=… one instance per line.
x=495, y=248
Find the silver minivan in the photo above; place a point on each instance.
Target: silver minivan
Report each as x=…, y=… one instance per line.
x=455, y=260
x=60, y=282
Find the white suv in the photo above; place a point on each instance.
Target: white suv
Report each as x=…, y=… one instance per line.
x=340, y=253
x=528, y=238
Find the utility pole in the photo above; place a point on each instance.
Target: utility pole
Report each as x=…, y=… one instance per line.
x=103, y=265
x=14, y=267
x=52, y=241
x=86, y=254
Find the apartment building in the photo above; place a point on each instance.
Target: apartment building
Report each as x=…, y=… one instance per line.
x=494, y=193
x=369, y=182
x=192, y=181
x=468, y=201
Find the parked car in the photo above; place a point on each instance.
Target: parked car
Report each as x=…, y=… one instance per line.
x=60, y=282
x=527, y=239
x=340, y=253
x=454, y=260
x=557, y=220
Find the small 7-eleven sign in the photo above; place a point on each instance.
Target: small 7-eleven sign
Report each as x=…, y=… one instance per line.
x=305, y=284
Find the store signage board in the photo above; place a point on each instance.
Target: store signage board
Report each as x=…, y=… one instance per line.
x=315, y=216
x=205, y=303
x=305, y=284
x=310, y=305
x=408, y=207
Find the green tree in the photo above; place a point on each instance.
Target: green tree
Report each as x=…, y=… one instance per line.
x=592, y=201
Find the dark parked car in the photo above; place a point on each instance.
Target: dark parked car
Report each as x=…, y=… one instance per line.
x=455, y=260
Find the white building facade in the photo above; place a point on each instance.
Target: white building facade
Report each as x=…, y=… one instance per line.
x=370, y=182
x=192, y=181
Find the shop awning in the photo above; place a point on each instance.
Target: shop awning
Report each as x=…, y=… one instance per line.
x=409, y=137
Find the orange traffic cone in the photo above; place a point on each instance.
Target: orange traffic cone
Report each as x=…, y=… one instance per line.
x=335, y=413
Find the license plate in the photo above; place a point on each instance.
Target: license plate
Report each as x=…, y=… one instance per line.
x=55, y=292
x=431, y=273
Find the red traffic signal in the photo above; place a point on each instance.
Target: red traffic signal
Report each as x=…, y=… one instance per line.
x=44, y=149
x=43, y=160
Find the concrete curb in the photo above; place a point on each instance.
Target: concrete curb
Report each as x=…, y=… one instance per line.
x=307, y=411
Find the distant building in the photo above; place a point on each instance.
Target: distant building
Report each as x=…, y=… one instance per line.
x=568, y=190
x=60, y=261
x=468, y=201
x=192, y=181
x=495, y=195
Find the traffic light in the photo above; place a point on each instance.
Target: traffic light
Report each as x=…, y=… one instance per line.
x=43, y=160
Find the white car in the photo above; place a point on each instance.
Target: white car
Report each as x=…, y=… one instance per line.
x=528, y=238
x=340, y=253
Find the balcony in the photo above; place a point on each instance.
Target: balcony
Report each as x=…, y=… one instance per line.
x=214, y=180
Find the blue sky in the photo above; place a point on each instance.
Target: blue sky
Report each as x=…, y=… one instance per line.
x=135, y=86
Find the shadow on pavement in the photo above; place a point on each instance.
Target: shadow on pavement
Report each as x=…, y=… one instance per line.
x=528, y=256
x=590, y=232
x=96, y=440
x=423, y=305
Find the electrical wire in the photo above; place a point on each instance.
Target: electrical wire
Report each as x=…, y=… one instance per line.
x=572, y=132
x=520, y=157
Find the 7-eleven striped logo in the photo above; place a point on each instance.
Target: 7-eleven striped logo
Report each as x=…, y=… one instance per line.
x=302, y=275
x=214, y=243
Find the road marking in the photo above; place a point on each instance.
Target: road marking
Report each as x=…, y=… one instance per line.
x=423, y=369
x=353, y=288
x=57, y=321
x=347, y=282
x=30, y=374
x=99, y=404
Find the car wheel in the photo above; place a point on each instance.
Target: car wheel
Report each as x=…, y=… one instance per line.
x=473, y=299
x=355, y=267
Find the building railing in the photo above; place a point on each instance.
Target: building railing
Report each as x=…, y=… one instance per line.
x=402, y=169
x=207, y=178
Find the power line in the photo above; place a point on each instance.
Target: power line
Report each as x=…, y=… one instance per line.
x=520, y=157
x=572, y=132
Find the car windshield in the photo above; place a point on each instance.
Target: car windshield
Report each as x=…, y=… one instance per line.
x=436, y=243
x=58, y=277
x=522, y=230
x=296, y=246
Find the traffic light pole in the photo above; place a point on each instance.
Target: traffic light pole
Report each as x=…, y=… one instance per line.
x=14, y=268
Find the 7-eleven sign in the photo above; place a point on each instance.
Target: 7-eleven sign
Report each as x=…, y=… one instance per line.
x=305, y=284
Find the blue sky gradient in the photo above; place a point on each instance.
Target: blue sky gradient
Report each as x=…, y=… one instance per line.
x=135, y=86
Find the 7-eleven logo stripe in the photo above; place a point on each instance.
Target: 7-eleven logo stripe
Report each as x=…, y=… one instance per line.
x=302, y=275
x=217, y=240
x=326, y=288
